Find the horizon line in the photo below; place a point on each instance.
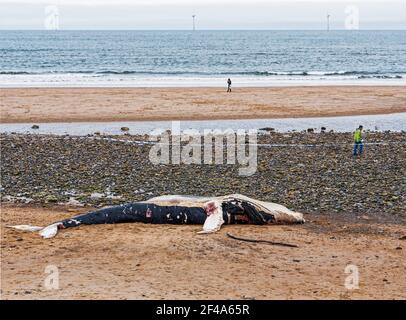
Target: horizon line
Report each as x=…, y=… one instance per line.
x=197, y=30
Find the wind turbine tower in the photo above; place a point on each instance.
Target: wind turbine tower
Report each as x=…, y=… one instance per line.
x=328, y=22
x=194, y=25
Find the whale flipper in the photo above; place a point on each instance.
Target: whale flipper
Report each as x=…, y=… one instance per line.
x=214, y=219
x=50, y=231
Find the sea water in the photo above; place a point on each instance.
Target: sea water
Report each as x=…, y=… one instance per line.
x=201, y=58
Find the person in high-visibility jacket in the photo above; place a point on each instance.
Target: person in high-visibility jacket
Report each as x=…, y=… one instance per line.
x=358, y=142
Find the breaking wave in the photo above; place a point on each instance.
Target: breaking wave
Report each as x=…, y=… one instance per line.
x=356, y=74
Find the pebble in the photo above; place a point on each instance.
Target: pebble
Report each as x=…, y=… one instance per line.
x=323, y=178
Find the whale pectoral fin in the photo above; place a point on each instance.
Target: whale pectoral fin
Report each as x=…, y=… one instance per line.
x=26, y=227
x=214, y=219
x=50, y=231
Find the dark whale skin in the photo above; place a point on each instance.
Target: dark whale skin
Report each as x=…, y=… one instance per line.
x=139, y=212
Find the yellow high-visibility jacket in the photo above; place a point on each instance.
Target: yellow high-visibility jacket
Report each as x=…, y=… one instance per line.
x=357, y=136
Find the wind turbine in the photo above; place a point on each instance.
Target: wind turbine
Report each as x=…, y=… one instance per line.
x=194, y=26
x=328, y=22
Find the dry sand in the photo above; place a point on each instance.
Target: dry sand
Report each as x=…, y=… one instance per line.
x=138, y=261
x=131, y=104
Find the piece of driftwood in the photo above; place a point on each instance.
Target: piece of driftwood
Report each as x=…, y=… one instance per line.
x=263, y=241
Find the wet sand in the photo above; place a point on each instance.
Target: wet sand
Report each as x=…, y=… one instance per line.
x=19, y=105
x=138, y=261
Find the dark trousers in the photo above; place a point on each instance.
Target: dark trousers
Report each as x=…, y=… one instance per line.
x=358, y=145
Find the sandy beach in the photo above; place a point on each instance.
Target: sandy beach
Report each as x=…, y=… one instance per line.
x=132, y=104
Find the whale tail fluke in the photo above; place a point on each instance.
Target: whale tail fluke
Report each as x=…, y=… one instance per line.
x=47, y=232
x=26, y=227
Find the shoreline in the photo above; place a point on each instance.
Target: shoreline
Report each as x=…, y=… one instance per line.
x=101, y=104
x=220, y=85
x=214, y=118
x=395, y=122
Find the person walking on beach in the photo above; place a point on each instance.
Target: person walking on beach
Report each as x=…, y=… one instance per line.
x=229, y=85
x=358, y=141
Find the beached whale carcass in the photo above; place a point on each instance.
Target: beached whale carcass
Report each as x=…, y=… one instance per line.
x=211, y=212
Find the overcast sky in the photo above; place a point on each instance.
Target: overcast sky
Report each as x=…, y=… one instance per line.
x=210, y=14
